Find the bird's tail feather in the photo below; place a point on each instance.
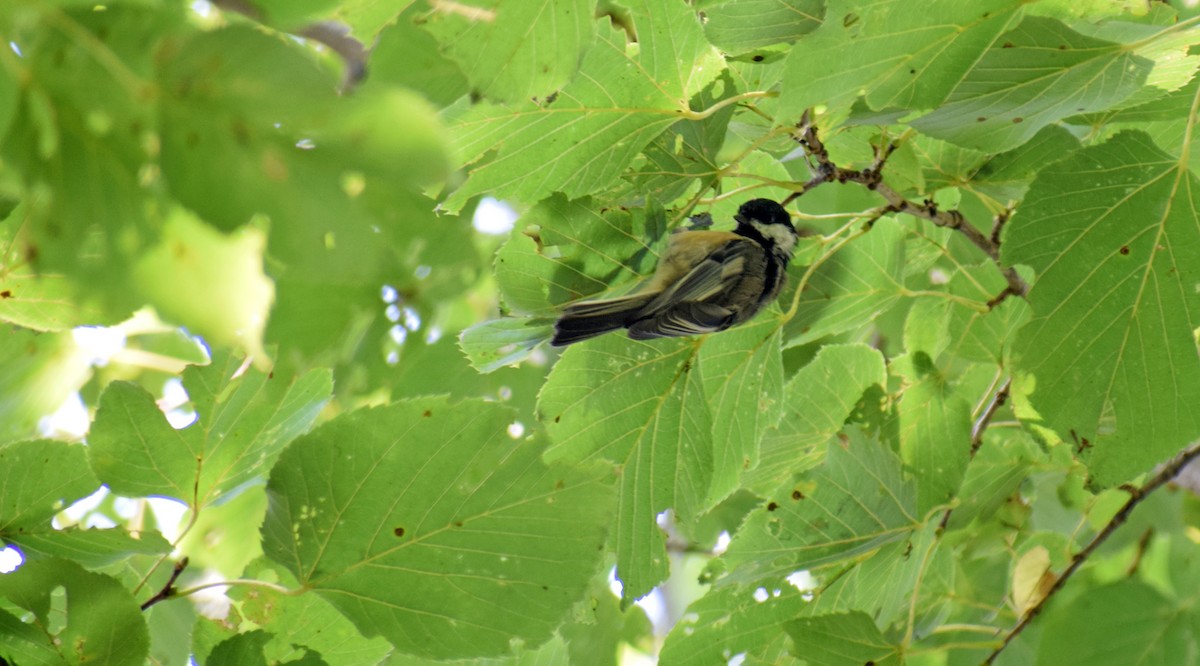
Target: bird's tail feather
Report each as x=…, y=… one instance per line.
x=587, y=319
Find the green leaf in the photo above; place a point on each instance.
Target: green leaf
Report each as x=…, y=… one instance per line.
x=426, y=260
x=1164, y=45
x=9, y=99
x=818, y=400
x=884, y=583
x=580, y=140
x=244, y=421
x=292, y=13
x=598, y=633
x=38, y=372
x=440, y=368
x=730, y=620
x=499, y=343
x=1002, y=463
x=195, y=266
x=325, y=170
x=935, y=431
x=893, y=56
x=687, y=154
x=511, y=52
x=303, y=624
x=82, y=138
x=640, y=405
x=738, y=26
x=225, y=538
x=37, y=480
x=367, y=17
x=408, y=56
x=982, y=336
x=93, y=548
x=421, y=521
x=853, y=287
x=170, y=632
x=1006, y=176
x=1169, y=107
x=850, y=639
x=244, y=648
x=38, y=300
x=561, y=250
x=742, y=371
x=1152, y=628
x=103, y=624
x=1040, y=72
x=1113, y=235
x=856, y=502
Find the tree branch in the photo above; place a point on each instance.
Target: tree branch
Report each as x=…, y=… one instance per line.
x=1136, y=497
x=167, y=590
x=872, y=178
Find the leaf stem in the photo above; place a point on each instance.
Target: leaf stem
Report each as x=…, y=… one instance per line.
x=701, y=115
x=246, y=582
x=174, y=544
x=1136, y=497
x=981, y=308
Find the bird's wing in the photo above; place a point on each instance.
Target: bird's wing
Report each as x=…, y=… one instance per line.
x=682, y=320
x=708, y=278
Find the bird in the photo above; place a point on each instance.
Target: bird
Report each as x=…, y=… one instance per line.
x=705, y=281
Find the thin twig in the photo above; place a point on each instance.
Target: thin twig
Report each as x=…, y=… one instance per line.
x=981, y=424
x=167, y=590
x=872, y=178
x=1136, y=497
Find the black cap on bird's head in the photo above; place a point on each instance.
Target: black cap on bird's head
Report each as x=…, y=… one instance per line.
x=764, y=211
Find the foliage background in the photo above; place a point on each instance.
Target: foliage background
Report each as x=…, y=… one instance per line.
x=238, y=244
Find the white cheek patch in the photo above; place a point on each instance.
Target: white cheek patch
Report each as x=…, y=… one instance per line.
x=784, y=238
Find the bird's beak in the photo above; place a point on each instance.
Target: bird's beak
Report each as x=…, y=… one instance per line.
x=739, y=219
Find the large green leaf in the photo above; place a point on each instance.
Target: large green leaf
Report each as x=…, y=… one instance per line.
x=561, y=250
x=102, y=623
x=1040, y=72
x=842, y=640
x=581, y=139
x=324, y=169
x=853, y=287
x=40, y=478
x=37, y=480
x=33, y=299
x=640, y=405
x=427, y=523
x=304, y=624
x=196, y=266
x=38, y=372
x=243, y=421
x=81, y=139
x=737, y=26
x=856, y=502
x=892, y=55
x=935, y=430
x=408, y=56
x=816, y=404
x=513, y=51
x=730, y=620
x=743, y=379
x=1152, y=628
x=1114, y=235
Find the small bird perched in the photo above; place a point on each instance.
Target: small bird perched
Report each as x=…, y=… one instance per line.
x=706, y=281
